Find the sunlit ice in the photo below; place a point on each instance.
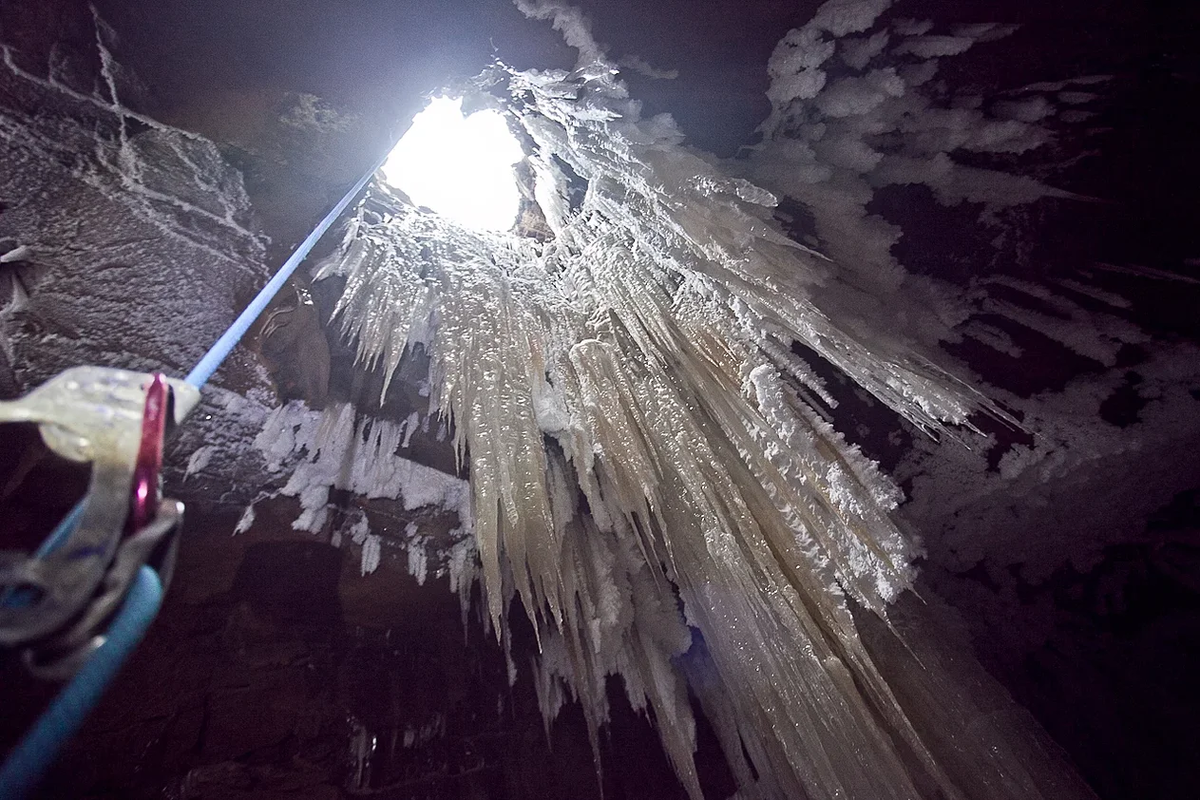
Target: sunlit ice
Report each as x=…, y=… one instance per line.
x=459, y=166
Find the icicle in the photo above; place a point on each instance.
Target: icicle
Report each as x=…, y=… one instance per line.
x=246, y=521
x=641, y=361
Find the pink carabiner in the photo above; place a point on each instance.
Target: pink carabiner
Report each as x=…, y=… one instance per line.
x=144, y=497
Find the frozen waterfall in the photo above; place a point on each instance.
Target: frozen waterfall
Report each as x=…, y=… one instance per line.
x=653, y=472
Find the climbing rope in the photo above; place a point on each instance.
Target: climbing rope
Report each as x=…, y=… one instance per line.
x=135, y=575
x=219, y=351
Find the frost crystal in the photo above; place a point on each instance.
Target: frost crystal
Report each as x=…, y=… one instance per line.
x=341, y=450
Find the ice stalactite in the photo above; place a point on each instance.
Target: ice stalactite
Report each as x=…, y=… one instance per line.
x=340, y=449
x=648, y=472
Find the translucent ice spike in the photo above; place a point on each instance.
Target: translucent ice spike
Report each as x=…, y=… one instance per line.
x=644, y=468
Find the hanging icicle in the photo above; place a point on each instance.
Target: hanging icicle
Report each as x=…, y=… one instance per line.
x=647, y=472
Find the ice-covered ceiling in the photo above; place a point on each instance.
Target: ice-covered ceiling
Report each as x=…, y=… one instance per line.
x=999, y=191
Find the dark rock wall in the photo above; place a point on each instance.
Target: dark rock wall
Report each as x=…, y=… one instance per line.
x=138, y=238
x=281, y=672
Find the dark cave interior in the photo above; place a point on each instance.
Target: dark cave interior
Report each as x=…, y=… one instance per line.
x=274, y=660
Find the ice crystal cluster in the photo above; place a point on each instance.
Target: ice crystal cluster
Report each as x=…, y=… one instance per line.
x=338, y=448
x=650, y=477
x=855, y=108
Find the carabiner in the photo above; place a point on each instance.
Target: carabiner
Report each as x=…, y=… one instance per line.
x=112, y=419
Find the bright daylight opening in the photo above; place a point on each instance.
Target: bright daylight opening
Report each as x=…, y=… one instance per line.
x=461, y=167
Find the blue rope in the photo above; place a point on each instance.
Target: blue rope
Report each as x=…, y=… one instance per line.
x=29, y=761
x=219, y=351
x=60, y=532
x=60, y=721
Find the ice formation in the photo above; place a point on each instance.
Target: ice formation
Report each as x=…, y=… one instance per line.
x=343, y=450
x=652, y=470
x=338, y=448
